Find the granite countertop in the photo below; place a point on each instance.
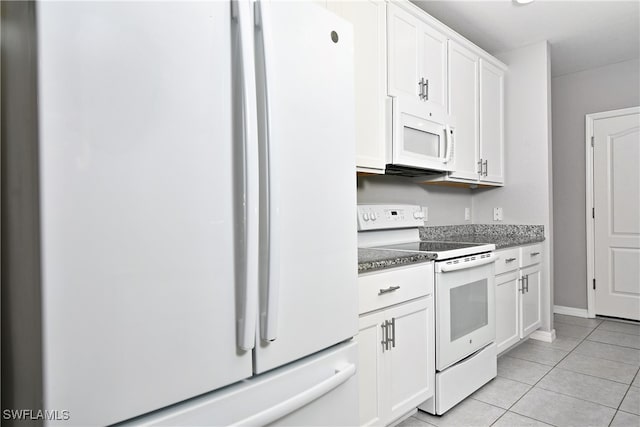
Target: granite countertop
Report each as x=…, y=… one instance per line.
x=501, y=235
x=378, y=259
x=501, y=242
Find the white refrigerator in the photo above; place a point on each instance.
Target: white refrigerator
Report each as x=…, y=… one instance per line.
x=197, y=212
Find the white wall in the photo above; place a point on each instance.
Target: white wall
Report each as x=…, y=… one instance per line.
x=526, y=197
x=575, y=95
x=446, y=204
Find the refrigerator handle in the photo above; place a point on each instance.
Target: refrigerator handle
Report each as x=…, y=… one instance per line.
x=246, y=331
x=274, y=413
x=269, y=291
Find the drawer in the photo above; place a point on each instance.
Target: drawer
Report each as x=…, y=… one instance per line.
x=530, y=255
x=508, y=260
x=395, y=285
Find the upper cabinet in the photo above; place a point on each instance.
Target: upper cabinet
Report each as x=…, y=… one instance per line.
x=370, y=65
x=491, y=122
x=407, y=62
x=463, y=107
x=417, y=64
x=476, y=108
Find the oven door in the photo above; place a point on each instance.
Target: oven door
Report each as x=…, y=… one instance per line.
x=465, y=308
x=420, y=143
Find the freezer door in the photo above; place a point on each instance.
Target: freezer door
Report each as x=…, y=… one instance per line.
x=139, y=157
x=308, y=295
x=320, y=390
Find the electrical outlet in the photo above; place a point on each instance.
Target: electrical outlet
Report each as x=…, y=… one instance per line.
x=497, y=214
x=467, y=214
x=425, y=212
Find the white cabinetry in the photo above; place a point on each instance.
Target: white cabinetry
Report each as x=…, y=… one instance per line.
x=491, y=123
x=368, y=18
x=518, y=294
x=417, y=64
x=507, y=309
x=476, y=104
x=463, y=106
x=396, y=344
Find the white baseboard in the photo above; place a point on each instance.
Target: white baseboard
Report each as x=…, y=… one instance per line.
x=571, y=311
x=546, y=336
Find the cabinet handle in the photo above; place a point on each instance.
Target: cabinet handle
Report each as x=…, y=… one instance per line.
x=393, y=332
x=421, y=88
x=480, y=167
x=521, y=280
x=426, y=89
x=527, y=282
x=535, y=253
x=385, y=340
x=389, y=289
x=510, y=259
x=486, y=167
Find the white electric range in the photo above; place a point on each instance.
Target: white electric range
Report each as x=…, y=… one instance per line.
x=464, y=299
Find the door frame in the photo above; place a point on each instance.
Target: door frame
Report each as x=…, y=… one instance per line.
x=590, y=230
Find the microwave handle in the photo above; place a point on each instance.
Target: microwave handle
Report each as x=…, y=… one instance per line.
x=450, y=141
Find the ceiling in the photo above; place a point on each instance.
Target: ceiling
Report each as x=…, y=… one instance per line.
x=582, y=34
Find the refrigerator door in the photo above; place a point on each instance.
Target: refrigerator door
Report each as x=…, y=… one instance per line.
x=320, y=390
x=308, y=297
x=140, y=155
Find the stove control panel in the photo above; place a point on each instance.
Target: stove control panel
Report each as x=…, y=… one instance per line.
x=381, y=217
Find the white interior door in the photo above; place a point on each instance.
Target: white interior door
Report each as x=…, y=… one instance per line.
x=137, y=206
x=616, y=193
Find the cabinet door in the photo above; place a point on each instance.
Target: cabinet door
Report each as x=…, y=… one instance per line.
x=530, y=306
x=492, y=122
x=370, y=67
x=507, y=310
x=433, y=63
x=404, y=32
x=411, y=362
x=370, y=368
x=463, y=106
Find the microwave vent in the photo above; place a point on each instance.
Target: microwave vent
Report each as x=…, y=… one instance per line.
x=399, y=170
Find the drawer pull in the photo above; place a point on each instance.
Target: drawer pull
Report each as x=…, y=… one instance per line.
x=510, y=259
x=389, y=289
x=535, y=253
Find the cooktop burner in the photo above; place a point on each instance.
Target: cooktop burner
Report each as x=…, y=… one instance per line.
x=426, y=246
x=442, y=250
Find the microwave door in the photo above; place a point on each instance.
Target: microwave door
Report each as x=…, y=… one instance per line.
x=419, y=143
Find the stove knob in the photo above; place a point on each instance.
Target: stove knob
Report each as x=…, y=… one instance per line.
x=373, y=216
x=416, y=215
x=365, y=216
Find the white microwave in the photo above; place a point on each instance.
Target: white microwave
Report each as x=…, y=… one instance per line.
x=420, y=146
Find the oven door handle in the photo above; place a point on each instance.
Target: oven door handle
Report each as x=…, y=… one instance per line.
x=446, y=267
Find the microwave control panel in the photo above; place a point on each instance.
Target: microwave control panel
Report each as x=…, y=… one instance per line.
x=381, y=217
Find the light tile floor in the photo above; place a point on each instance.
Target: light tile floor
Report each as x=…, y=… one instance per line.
x=587, y=377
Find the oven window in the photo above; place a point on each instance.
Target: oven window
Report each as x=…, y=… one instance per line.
x=421, y=142
x=469, y=308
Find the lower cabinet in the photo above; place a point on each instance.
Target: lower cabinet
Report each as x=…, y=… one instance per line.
x=507, y=309
x=530, y=302
x=518, y=294
x=397, y=360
